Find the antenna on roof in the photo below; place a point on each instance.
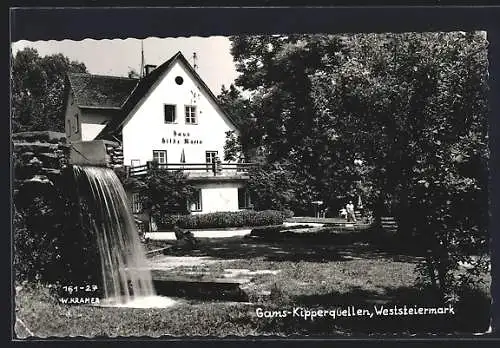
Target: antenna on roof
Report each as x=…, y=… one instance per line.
x=195, y=66
x=141, y=73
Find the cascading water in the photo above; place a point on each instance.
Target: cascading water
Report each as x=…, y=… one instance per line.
x=126, y=276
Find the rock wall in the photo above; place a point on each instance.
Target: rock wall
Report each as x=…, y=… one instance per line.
x=51, y=243
x=43, y=154
x=38, y=156
x=115, y=153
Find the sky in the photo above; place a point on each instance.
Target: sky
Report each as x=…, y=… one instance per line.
x=117, y=57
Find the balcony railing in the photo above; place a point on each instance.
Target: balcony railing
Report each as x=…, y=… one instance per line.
x=194, y=169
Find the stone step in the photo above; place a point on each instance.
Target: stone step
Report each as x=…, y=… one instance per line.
x=204, y=288
x=199, y=277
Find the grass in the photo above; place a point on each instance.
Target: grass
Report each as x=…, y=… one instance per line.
x=45, y=318
x=315, y=278
x=340, y=271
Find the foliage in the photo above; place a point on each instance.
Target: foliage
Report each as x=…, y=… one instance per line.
x=225, y=219
x=50, y=242
x=429, y=157
x=128, y=182
x=278, y=71
x=242, y=111
x=232, y=146
x=164, y=192
x=234, y=104
x=280, y=186
x=38, y=87
x=399, y=119
x=28, y=262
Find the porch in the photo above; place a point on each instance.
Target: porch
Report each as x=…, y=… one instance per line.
x=196, y=170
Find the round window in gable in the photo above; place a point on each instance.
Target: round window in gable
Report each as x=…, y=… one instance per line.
x=179, y=80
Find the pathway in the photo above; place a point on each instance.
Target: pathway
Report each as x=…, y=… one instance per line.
x=199, y=234
x=167, y=235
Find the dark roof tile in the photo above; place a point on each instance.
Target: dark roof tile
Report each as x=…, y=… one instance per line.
x=101, y=91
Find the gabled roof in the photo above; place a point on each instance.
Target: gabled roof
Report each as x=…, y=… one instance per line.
x=145, y=85
x=98, y=91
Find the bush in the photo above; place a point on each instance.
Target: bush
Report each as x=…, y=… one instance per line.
x=165, y=192
x=51, y=244
x=275, y=186
x=225, y=219
x=24, y=242
x=36, y=231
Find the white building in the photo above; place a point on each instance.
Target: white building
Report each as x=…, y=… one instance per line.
x=169, y=116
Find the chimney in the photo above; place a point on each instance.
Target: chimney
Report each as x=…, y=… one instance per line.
x=148, y=69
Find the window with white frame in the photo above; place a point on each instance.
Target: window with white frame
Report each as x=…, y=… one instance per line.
x=136, y=203
x=160, y=157
x=190, y=112
x=195, y=202
x=209, y=158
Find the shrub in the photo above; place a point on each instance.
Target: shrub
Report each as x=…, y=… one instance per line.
x=24, y=248
x=35, y=231
x=50, y=242
x=162, y=192
x=280, y=186
x=225, y=219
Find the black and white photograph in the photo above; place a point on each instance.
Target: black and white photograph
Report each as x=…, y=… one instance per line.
x=282, y=184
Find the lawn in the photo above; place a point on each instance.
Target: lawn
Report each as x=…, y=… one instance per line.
x=312, y=274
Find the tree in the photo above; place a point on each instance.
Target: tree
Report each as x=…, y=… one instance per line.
x=243, y=113
x=274, y=186
x=162, y=192
x=410, y=107
x=232, y=146
x=416, y=111
x=38, y=85
x=279, y=71
x=232, y=101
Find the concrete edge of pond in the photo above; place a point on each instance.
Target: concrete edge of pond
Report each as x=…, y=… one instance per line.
x=156, y=252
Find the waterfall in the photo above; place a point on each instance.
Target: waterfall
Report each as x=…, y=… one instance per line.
x=126, y=277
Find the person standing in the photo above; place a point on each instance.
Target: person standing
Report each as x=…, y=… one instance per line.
x=351, y=217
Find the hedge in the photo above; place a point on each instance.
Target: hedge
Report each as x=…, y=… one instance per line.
x=225, y=219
